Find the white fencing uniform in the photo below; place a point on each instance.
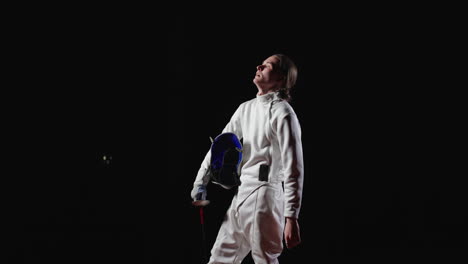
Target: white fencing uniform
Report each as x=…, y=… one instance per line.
x=255, y=220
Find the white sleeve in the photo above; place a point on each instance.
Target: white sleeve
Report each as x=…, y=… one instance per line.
x=289, y=137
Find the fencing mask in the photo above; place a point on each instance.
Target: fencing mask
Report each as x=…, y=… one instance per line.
x=226, y=156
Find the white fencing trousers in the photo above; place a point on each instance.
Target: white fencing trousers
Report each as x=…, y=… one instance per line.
x=256, y=225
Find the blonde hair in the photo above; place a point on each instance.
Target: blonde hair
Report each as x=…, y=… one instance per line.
x=289, y=70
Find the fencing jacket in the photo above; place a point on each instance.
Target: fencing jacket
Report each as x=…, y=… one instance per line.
x=271, y=136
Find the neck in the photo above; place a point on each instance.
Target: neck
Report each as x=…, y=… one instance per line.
x=265, y=90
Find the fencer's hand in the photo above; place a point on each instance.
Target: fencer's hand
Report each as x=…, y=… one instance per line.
x=194, y=192
x=196, y=189
x=292, y=234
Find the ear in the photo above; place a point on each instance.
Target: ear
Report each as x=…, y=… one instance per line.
x=282, y=79
x=280, y=76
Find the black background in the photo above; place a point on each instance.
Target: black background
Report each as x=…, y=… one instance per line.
x=379, y=136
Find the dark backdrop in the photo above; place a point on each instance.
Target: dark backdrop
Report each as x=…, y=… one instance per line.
x=380, y=178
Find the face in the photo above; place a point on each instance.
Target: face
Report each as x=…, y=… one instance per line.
x=268, y=74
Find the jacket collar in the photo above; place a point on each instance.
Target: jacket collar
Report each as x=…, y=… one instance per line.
x=268, y=98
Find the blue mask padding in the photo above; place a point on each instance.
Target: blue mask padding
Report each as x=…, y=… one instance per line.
x=223, y=151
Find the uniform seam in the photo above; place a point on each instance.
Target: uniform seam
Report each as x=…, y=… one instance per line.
x=254, y=229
